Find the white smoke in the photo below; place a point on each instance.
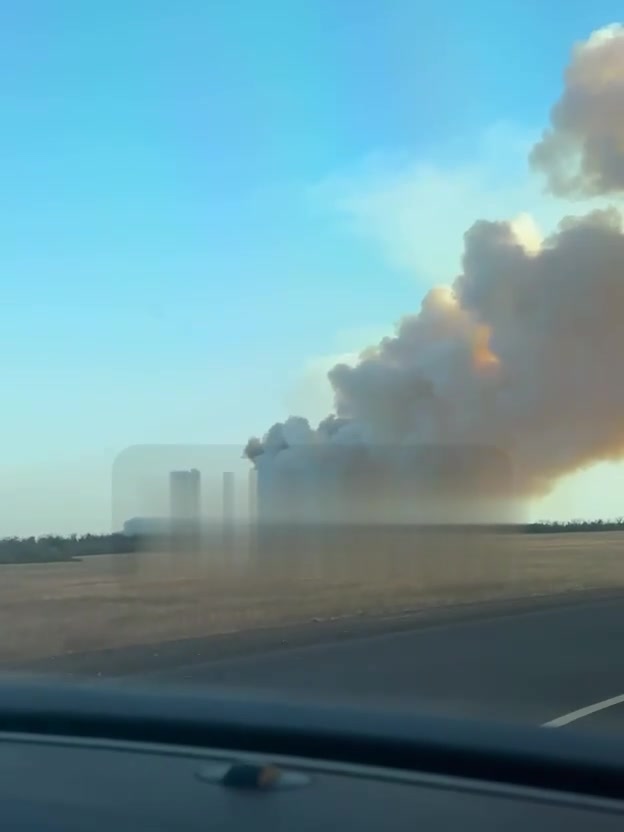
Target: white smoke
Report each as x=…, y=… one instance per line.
x=582, y=153
x=521, y=354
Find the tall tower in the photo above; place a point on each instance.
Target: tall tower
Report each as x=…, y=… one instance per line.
x=228, y=514
x=228, y=499
x=253, y=497
x=253, y=519
x=185, y=498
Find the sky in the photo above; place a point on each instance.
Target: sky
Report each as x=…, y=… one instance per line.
x=205, y=204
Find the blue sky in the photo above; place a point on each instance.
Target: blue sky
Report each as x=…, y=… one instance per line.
x=174, y=265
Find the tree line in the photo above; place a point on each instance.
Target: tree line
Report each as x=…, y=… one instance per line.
x=52, y=547
x=556, y=527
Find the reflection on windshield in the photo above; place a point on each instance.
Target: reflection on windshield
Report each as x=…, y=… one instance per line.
x=229, y=218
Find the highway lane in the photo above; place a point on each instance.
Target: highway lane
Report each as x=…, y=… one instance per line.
x=533, y=664
x=533, y=660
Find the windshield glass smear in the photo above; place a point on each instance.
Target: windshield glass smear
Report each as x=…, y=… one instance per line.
x=313, y=327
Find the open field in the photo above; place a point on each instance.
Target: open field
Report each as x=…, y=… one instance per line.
x=109, y=601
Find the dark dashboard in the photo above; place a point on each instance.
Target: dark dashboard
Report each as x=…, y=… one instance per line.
x=95, y=757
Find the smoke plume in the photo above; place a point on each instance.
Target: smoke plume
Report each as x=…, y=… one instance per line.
x=582, y=153
x=523, y=352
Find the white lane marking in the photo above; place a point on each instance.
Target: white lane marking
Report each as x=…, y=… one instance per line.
x=582, y=712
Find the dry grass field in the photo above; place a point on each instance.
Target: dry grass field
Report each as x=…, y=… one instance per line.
x=108, y=601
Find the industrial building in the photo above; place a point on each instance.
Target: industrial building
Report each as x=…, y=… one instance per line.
x=185, y=496
x=386, y=485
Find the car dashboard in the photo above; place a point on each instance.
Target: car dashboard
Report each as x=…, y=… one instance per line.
x=95, y=758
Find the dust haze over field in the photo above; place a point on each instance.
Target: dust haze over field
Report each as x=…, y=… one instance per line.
x=55, y=609
x=522, y=352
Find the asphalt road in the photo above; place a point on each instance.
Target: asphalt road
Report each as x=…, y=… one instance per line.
x=536, y=660
x=534, y=664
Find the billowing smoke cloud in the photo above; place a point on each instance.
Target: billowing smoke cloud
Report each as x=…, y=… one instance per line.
x=523, y=353
x=582, y=153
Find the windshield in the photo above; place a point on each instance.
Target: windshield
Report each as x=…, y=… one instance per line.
x=312, y=336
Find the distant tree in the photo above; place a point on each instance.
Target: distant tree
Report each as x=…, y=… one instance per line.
x=47, y=548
